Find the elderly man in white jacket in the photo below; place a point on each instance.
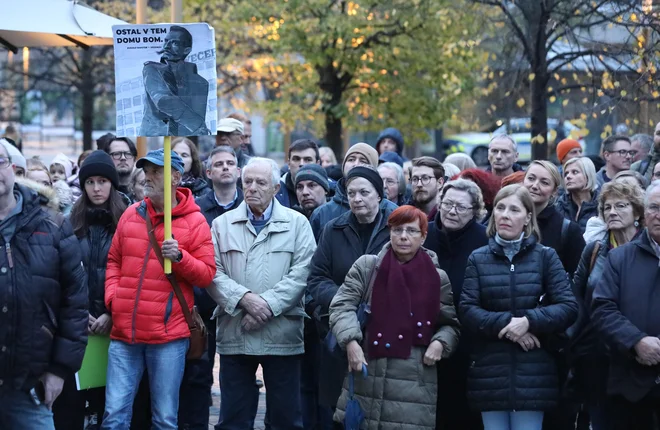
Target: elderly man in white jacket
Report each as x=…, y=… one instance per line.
x=262, y=253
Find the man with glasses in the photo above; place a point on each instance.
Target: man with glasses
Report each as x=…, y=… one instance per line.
x=18, y=161
x=624, y=311
x=427, y=178
x=618, y=155
x=43, y=304
x=123, y=153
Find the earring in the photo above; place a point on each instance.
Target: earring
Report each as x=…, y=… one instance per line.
x=636, y=223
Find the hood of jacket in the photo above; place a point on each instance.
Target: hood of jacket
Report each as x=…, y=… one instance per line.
x=393, y=134
x=340, y=197
x=186, y=205
x=596, y=230
x=47, y=196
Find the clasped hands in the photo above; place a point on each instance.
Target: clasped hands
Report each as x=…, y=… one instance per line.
x=517, y=331
x=257, y=314
x=648, y=351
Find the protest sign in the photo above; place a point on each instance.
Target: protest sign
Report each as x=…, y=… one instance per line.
x=165, y=79
x=93, y=371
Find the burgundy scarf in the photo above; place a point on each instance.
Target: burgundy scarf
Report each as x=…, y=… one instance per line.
x=404, y=306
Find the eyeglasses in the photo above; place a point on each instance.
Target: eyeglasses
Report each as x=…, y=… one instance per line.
x=5, y=162
x=118, y=155
x=653, y=209
x=624, y=152
x=412, y=232
x=656, y=175
x=618, y=207
x=460, y=209
x=425, y=180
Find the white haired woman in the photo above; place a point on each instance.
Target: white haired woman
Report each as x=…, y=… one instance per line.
x=580, y=201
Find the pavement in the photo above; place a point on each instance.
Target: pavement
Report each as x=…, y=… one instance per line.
x=215, y=392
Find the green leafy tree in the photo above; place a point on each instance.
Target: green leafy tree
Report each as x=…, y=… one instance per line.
x=361, y=64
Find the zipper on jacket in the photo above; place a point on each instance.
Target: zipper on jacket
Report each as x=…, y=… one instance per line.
x=10, y=259
x=512, y=287
x=137, y=294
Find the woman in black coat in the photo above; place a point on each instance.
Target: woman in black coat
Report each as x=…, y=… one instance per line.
x=515, y=295
x=454, y=234
x=361, y=231
x=580, y=201
x=543, y=180
x=94, y=218
x=621, y=206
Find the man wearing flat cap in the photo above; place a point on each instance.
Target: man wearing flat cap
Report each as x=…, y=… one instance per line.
x=175, y=94
x=149, y=329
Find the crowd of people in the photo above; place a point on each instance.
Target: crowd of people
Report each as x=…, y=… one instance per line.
x=432, y=295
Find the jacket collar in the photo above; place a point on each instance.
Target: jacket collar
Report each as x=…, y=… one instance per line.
x=278, y=219
x=526, y=245
x=644, y=242
x=340, y=196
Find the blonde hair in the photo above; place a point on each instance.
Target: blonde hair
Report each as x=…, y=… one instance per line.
x=324, y=150
x=551, y=168
x=588, y=169
x=473, y=190
x=526, y=199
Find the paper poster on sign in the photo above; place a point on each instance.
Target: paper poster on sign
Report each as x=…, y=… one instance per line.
x=165, y=79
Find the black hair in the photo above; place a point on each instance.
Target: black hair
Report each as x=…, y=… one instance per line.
x=304, y=144
x=608, y=144
x=109, y=138
x=187, y=37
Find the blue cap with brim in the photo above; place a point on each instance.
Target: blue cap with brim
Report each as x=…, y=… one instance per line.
x=157, y=157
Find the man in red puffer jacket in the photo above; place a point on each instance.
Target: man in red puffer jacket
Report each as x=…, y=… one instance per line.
x=149, y=330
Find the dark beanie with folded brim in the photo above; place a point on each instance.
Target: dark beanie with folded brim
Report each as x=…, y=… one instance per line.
x=313, y=172
x=98, y=163
x=370, y=174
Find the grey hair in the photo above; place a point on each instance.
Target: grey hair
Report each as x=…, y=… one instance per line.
x=461, y=160
x=399, y=175
x=218, y=149
x=261, y=160
x=651, y=188
x=451, y=170
x=644, y=140
x=588, y=169
x=473, y=190
x=506, y=137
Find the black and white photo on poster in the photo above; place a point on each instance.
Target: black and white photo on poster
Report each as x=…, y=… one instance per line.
x=165, y=79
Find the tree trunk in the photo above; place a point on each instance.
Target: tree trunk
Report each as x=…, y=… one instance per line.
x=333, y=134
x=539, y=85
x=87, y=92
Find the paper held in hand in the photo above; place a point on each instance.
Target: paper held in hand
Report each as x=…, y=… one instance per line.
x=94, y=368
x=165, y=79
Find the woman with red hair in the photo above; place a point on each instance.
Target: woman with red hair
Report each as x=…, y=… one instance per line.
x=411, y=325
x=489, y=184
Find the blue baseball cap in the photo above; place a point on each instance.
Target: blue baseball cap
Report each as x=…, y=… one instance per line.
x=157, y=157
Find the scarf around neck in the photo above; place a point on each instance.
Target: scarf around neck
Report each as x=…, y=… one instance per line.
x=404, y=306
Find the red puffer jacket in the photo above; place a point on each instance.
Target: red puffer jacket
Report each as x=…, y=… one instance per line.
x=141, y=300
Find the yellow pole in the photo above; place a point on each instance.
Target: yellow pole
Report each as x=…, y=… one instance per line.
x=167, y=207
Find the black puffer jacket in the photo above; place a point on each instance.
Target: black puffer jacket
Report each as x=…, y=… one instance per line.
x=568, y=248
x=624, y=310
x=503, y=377
x=94, y=247
x=569, y=210
x=43, y=297
x=339, y=247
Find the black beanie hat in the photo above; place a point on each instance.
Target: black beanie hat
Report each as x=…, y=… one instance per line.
x=98, y=163
x=368, y=173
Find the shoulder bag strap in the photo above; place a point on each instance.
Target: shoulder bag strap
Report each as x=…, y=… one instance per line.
x=170, y=277
x=594, y=256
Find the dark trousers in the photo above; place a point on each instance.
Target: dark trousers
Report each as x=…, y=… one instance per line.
x=453, y=411
x=195, y=393
x=565, y=415
x=315, y=416
x=282, y=381
x=642, y=415
x=69, y=409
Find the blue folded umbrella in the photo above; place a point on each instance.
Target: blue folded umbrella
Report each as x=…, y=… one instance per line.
x=354, y=413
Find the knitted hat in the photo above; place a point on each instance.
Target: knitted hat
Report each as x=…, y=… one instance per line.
x=65, y=162
x=370, y=174
x=364, y=149
x=98, y=163
x=391, y=157
x=16, y=157
x=565, y=146
x=313, y=172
